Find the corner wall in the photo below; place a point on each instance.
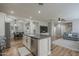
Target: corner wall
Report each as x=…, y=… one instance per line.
x=75, y=26
x=2, y=24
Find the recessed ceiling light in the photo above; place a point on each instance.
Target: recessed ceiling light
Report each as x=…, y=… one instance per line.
x=12, y=12
x=39, y=11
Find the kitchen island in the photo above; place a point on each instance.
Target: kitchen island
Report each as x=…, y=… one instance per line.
x=39, y=45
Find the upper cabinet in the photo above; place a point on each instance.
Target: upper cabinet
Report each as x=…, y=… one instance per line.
x=27, y=27
x=35, y=27
x=31, y=27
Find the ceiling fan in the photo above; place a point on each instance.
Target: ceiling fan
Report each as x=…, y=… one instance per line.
x=61, y=20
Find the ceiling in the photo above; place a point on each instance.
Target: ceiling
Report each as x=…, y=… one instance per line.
x=47, y=11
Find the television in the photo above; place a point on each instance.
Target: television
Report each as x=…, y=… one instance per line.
x=43, y=29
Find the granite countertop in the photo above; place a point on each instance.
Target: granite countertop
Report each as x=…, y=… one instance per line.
x=38, y=36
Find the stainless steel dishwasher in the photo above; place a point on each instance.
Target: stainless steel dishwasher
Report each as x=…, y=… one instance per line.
x=34, y=46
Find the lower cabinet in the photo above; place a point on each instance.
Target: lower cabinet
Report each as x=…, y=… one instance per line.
x=27, y=42
x=44, y=46
x=38, y=47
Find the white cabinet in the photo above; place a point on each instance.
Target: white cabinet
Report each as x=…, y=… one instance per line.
x=27, y=42
x=32, y=27
x=44, y=46
x=35, y=28
x=27, y=28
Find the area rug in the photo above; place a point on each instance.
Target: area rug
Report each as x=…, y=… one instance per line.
x=23, y=51
x=73, y=45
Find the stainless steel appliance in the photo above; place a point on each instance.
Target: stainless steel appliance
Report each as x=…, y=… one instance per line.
x=34, y=46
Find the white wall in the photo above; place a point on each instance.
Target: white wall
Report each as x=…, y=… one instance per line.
x=75, y=26
x=57, y=29
x=53, y=28
x=20, y=26
x=42, y=23
x=2, y=24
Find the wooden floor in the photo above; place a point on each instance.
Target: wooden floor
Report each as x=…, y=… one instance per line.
x=61, y=51
x=56, y=50
x=13, y=50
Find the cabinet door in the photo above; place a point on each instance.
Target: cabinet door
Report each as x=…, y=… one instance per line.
x=27, y=42
x=43, y=47
x=34, y=46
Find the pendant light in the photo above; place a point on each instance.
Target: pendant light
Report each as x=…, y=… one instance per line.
x=59, y=20
x=15, y=23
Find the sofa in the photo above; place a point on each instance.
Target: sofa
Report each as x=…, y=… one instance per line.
x=71, y=36
x=2, y=44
